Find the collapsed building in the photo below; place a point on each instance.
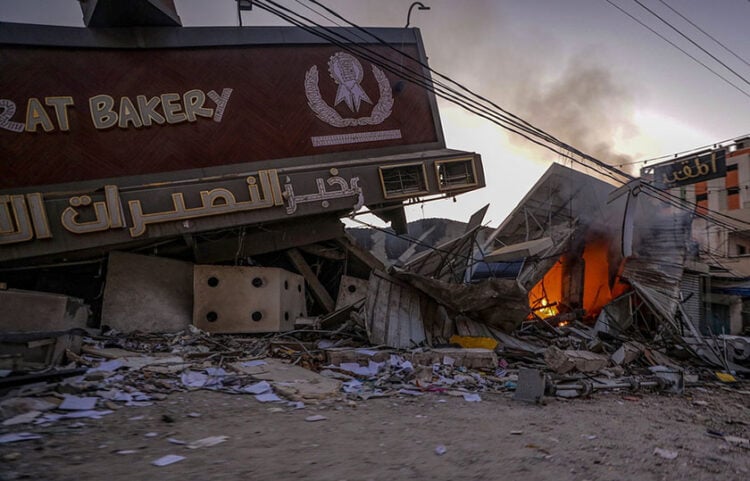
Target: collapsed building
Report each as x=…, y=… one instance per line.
x=199, y=178
x=195, y=147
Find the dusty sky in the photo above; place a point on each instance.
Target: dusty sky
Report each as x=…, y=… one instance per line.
x=580, y=69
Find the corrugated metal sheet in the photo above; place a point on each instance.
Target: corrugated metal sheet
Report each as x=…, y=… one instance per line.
x=393, y=313
x=690, y=287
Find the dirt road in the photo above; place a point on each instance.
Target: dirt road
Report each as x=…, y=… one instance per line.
x=609, y=437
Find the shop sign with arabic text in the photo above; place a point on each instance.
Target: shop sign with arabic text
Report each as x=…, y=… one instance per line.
x=691, y=170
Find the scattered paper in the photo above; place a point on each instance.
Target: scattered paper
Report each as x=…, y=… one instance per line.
x=176, y=441
x=216, y=371
x=353, y=386
x=127, y=451
x=150, y=435
x=268, y=397
x=366, y=352
x=315, y=418
x=52, y=417
x=257, y=388
x=5, y=372
x=440, y=449
x=207, y=442
x=665, y=453
x=15, y=437
x=107, y=366
x=167, y=460
x=370, y=370
x=75, y=403
x=194, y=415
x=193, y=379
x=448, y=361
x=255, y=363
x=472, y=397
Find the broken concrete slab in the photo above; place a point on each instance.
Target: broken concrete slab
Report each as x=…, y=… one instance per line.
x=292, y=382
x=31, y=311
x=351, y=291
x=238, y=299
x=565, y=361
x=627, y=353
x=136, y=299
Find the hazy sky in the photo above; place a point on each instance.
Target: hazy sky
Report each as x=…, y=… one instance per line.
x=578, y=68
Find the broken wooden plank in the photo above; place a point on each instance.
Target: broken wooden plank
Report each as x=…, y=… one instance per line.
x=317, y=288
x=565, y=361
x=350, y=244
x=324, y=252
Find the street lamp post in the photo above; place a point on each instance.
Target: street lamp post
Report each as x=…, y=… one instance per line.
x=420, y=5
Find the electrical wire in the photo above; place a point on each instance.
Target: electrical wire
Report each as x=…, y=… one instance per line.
x=509, y=122
x=705, y=33
x=692, y=57
x=683, y=35
x=495, y=117
x=459, y=85
x=679, y=154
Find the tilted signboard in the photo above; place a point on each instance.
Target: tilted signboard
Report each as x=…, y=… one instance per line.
x=118, y=136
x=166, y=102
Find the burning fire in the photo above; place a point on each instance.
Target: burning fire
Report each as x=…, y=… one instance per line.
x=546, y=310
x=577, y=283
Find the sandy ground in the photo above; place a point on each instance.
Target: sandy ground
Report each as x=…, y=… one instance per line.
x=605, y=438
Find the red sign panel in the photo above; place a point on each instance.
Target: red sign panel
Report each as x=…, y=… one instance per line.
x=70, y=115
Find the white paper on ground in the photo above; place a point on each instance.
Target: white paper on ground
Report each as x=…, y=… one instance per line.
x=268, y=397
x=52, y=417
x=216, y=371
x=14, y=437
x=472, y=397
x=193, y=379
x=206, y=442
x=257, y=388
x=75, y=403
x=352, y=386
x=167, y=460
x=107, y=366
x=254, y=363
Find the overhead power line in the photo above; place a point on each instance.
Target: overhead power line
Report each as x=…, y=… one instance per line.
x=678, y=154
x=705, y=33
x=685, y=52
x=683, y=35
x=504, y=119
x=494, y=114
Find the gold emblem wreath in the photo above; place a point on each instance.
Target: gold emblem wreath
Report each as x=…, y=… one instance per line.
x=326, y=113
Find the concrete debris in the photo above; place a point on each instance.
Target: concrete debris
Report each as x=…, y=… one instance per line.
x=627, y=353
x=569, y=360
